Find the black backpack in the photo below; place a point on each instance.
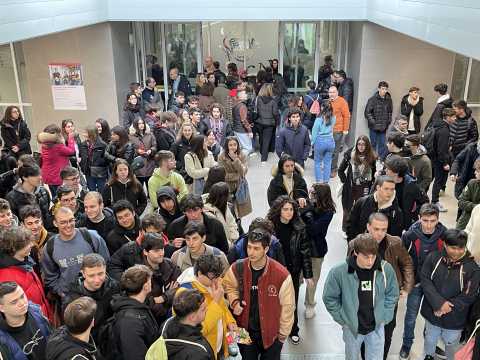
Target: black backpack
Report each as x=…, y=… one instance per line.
x=428, y=140
x=50, y=246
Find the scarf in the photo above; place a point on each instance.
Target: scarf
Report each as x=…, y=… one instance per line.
x=288, y=183
x=362, y=173
x=217, y=126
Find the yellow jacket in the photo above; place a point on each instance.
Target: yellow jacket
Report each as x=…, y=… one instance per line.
x=215, y=312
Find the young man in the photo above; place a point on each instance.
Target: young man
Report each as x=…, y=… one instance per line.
x=419, y=162
x=29, y=191
x=192, y=206
x=450, y=279
x=168, y=205
x=63, y=253
x=135, y=327
x=464, y=130
x=151, y=97
x=294, y=139
x=94, y=282
x=7, y=218
x=444, y=101
x=127, y=227
x=165, y=175
x=31, y=217
x=390, y=249
x=260, y=292
x=178, y=103
x=190, y=309
x=462, y=170
x=164, y=130
x=396, y=145
x=441, y=156
x=71, y=177
x=378, y=113
x=73, y=341
x=412, y=108
x=97, y=217
x=195, y=118
x=66, y=198
x=342, y=124
x=195, y=237
x=409, y=195
x=345, y=87
x=208, y=270
x=23, y=328
x=423, y=237
x=361, y=294
x=178, y=83
x=382, y=200
x=400, y=125
x=287, y=180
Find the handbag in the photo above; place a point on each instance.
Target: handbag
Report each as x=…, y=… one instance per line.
x=198, y=185
x=466, y=351
x=242, y=194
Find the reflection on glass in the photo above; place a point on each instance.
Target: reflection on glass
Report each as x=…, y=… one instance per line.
x=182, y=48
x=328, y=41
x=459, y=77
x=8, y=88
x=474, y=84
x=22, y=74
x=153, y=51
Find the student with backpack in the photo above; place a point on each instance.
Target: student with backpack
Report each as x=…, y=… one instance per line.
x=312, y=100
x=342, y=124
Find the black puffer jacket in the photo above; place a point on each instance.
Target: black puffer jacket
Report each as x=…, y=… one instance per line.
x=317, y=223
x=62, y=345
x=102, y=297
x=16, y=133
x=135, y=327
x=443, y=280
x=118, y=191
x=179, y=149
x=277, y=188
x=437, y=114
x=93, y=163
x=463, y=167
x=18, y=198
x=406, y=109
x=126, y=152
x=463, y=131
x=345, y=90
x=119, y=236
x=441, y=142
x=267, y=110
x=378, y=112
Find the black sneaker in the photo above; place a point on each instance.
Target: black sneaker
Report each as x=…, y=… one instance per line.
x=440, y=353
x=404, y=353
x=429, y=357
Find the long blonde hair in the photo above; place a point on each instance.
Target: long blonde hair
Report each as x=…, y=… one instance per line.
x=266, y=90
x=180, y=131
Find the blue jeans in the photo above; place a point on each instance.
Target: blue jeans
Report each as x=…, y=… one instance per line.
x=373, y=344
x=414, y=300
x=324, y=147
x=96, y=184
x=245, y=142
x=451, y=339
x=377, y=138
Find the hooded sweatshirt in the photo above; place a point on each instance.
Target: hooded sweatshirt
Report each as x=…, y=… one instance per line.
x=174, y=179
x=421, y=168
x=63, y=346
x=167, y=191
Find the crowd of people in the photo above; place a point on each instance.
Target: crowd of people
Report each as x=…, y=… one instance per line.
x=127, y=241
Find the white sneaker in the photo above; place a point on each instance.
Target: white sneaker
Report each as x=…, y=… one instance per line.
x=263, y=164
x=440, y=207
x=310, y=312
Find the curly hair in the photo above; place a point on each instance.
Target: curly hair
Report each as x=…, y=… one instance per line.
x=13, y=240
x=276, y=209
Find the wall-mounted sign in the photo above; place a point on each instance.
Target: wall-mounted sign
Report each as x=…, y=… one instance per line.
x=68, y=89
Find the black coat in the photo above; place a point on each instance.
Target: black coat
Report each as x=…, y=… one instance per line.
x=441, y=143
x=118, y=191
x=215, y=233
x=463, y=167
x=164, y=138
x=347, y=179
x=102, y=297
x=317, y=223
x=104, y=226
x=179, y=149
x=127, y=152
x=119, y=236
x=443, y=281
x=378, y=112
x=345, y=90
x=62, y=345
x=8, y=178
x=18, y=198
x=94, y=164
x=437, y=114
x=364, y=207
x=276, y=187
x=412, y=200
x=406, y=109
x=16, y=134
x=183, y=86
x=135, y=328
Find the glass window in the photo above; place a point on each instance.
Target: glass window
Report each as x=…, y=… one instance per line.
x=474, y=84
x=298, y=54
x=182, y=48
x=328, y=41
x=22, y=73
x=8, y=88
x=153, y=52
x=476, y=112
x=459, y=77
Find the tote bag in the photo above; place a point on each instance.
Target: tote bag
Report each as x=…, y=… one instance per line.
x=242, y=194
x=466, y=351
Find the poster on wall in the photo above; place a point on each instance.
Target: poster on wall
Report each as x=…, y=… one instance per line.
x=68, y=88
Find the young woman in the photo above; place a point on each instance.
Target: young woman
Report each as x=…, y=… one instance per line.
x=292, y=233
x=103, y=128
x=268, y=117
x=317, y=217
x=15, y=133
x=183, y=116
x=200, y=80
x=123, y=185
x=215, y=175
x=205, y=99
x=198, y=162
x=212, y=144
x=240, y=123
x=217, y=205
x=235, y=163
x=146, y=146
x=357, y=173
x=69, y=127
x=93, y=162
x=131, y=110
x=323, y=143
x=55, y=155
x=181, y=147
x=119, y=146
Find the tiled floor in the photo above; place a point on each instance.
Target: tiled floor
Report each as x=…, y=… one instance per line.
x=321, y=336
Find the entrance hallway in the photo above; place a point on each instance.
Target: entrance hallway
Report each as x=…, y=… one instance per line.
x=321, y=336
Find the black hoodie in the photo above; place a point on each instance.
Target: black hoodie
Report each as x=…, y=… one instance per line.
x=134, y=332
x=168, y=192
x=174, y=329
x=119, y=236
x=63, y=346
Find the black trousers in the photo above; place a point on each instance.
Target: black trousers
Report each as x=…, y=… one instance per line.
x=255, y=349
x=265, y=133
x=440, y=179
x=389, y=328
x=296, y=287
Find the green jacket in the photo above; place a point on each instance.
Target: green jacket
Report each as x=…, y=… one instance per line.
x=469, y=197
x=340, y=294
x=175, y=180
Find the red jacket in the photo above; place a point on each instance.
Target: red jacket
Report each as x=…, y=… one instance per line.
x=276, y=299
x=55, y=156
x=30, y=283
